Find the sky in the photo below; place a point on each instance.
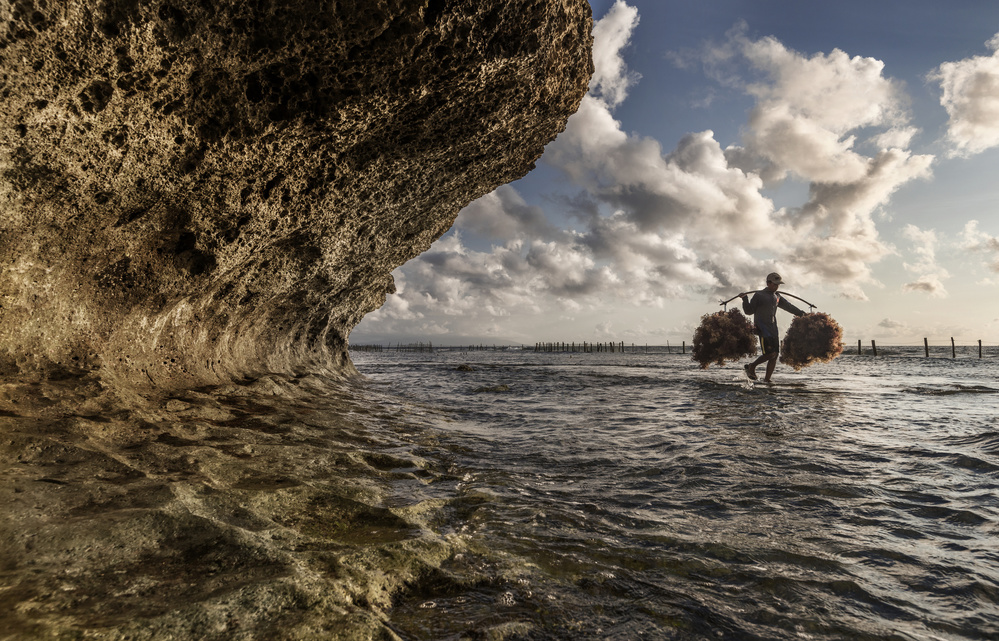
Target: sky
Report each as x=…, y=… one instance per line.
x=853, y=147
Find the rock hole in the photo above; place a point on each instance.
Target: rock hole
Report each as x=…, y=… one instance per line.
x=271, y=184
x=172, y=106
x=129, y=216
x=39, y=21
x=116, y=137
x=254, y=90
x=110, y=30
x=186, y=242
x=96, y=96
x=175, y=21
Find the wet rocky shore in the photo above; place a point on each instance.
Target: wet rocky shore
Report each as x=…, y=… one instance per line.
x=278, y=508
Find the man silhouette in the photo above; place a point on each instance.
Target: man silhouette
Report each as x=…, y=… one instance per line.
x=763, y=307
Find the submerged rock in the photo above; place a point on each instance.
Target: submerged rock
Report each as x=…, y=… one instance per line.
x=193, y=192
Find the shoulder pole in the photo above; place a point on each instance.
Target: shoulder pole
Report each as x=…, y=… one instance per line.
x=810, y=306
x=724, y=303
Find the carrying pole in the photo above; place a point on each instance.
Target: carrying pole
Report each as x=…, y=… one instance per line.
x=726, y=302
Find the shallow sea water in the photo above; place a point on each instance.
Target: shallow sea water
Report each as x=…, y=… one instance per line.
x=636, y=496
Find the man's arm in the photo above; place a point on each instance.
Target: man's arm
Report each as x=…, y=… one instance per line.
x=748, y=306
x=788, y=307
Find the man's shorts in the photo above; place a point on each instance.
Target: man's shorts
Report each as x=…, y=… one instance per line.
x=769, y=345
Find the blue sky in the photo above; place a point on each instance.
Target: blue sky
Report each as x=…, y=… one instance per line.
x=851, y=146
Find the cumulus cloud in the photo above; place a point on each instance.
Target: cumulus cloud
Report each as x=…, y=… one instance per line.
x=803, y=124
x=888, y=323
x=808, y=105
x=926, y=284
x=970, y=94
x=924, y=248
x=977, y=241
x=651, y=225
x=605, y=329
x=611, y=34
x=806, y=123
x=898, y=136
x=929, y=275
x=837, y=239
x=504, y=214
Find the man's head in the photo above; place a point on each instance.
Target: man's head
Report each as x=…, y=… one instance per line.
x=774, y=281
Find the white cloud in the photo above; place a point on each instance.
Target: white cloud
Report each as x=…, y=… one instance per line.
x=897, y=137
x=924, y=247
x=612, y=33
x=929, y=275
x=837, y=239
x=971, y=97
x=977, y=241
x=396, y=308
x=504, y=214
x=808, y=114
x=893, y=329
x=806, y=110
x=888, y=323
x=927, y=284
x=810, y=109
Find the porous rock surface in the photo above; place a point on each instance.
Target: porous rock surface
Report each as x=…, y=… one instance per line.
x=194, y=191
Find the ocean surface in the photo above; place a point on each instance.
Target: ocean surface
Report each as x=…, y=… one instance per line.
x=636, y=496
x=509, y=495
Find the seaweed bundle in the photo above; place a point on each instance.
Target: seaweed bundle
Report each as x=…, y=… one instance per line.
x=723, y=336
x=812, y=338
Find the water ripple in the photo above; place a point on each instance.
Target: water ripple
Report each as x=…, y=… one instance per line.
x=641, y=497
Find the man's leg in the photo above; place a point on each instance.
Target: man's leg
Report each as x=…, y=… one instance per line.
x=751, y=368
x=771, y=365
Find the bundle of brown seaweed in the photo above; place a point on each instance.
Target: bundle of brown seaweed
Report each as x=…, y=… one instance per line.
x=723, y=336
x=812, y=338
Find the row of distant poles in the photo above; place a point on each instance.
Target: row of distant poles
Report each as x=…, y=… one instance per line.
x=926, y=348
x=584, y=347
x=591, y=348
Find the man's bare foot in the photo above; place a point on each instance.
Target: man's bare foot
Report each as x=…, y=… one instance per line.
x=750, y=371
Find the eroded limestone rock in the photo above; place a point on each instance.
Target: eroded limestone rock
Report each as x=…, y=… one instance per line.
x=195, y=191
